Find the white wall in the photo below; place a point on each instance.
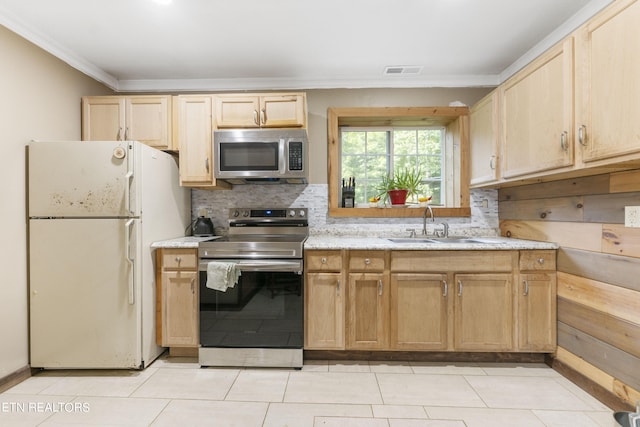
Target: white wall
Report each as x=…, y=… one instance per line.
x=40, y=99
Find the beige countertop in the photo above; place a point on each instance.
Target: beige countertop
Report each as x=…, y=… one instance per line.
x=380, y=243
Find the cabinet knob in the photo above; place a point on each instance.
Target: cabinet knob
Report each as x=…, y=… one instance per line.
x=540, y=260
x=323, y=260
x=178, y=259
x=367, y=261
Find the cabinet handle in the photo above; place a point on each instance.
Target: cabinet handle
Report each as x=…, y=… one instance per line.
x=380, y=287
x=459, y=288
x=367, y=261
x=323, y=260
x=582, y=135
x=338, y=287
x=193, y=287
x=206, y=164
x=563, y=140
x=492, y=162
x=255, y=118
x=263, y=116
x=126, y=133
x=526, y=287
x=446, y=288
x=119, y=136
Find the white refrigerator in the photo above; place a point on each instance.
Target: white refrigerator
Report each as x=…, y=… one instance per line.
x=94, y=209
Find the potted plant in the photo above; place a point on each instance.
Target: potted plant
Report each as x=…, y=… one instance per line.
x=399, y=186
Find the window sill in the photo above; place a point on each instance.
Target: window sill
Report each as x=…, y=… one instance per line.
x=397, y=212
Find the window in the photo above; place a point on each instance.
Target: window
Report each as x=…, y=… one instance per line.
x=368, y=154
x=368, y=142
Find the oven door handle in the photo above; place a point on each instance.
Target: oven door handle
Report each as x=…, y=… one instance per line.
x=260, y=265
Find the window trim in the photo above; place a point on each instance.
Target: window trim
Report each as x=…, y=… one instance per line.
x=456, y=119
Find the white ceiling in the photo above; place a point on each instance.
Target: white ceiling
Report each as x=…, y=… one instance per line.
x=198, y=45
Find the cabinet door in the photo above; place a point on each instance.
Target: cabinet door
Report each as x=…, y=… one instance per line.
x=484, y=140
x=537, y=312
x=608, y=94
x=537, y=114
x=324, y=311
x=237, y=111
x=367, y=311
x=180, y=308
x=483, y=312
x=148, y=120
x=283, y=110
x=103, y=118
x=419, y=306
x=195, y=140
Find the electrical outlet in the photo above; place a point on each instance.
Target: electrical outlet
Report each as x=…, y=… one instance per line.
x=632, y=216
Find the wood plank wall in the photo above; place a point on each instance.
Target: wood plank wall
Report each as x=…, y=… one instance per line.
x=598, y=270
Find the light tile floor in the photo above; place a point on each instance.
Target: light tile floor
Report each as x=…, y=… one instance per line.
x=177, y=392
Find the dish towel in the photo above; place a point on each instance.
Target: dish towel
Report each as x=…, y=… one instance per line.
x=222, y=275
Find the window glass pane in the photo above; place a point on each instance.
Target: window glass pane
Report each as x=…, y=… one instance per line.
x=352, y=166
x=430, y=141
x=404, y=142
x=353, y=142
x=433, y=189
x=377, y=142
x=432, y=165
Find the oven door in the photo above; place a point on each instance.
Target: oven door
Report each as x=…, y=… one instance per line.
x=263, y=310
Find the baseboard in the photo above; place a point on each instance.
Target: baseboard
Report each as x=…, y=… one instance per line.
x=183, y=351
x=15, y=378
x=594, y=389
x=424, y=356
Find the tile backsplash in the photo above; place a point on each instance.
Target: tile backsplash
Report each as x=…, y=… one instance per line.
x=314, y=197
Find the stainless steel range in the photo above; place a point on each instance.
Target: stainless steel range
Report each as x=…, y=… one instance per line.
x=259, y=321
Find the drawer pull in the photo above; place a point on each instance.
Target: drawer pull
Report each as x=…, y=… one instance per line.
x=178, y=259
x=367, y=261
x=323, y=260
x=540, y=260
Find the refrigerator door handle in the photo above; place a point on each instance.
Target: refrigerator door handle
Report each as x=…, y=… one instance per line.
x=127, y=190
x=127, y=232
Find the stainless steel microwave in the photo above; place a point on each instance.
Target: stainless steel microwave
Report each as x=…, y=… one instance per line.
x=265, y=156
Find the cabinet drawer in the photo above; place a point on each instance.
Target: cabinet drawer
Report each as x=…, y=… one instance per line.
x=179, y=259
x=537, y=260
x=323, y=261
x=366, y=261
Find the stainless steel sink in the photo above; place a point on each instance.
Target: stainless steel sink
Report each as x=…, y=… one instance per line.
x=437, y=240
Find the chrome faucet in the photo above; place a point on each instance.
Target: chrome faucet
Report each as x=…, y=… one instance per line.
x=424, y=219
x=445, y=232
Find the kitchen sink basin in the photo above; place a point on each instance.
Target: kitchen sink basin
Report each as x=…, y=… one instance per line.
x=436, y=240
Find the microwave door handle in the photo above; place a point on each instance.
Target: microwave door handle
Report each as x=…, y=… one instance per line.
x=282, y=161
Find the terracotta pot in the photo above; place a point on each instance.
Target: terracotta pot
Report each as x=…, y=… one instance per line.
x=397, y=197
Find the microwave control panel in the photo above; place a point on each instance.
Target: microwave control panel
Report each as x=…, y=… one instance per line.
x=295, y=155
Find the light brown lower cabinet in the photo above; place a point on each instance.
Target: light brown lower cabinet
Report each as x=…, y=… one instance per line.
x=483, y=312
x=467, y=301
x=419, y=311
x=177, y=323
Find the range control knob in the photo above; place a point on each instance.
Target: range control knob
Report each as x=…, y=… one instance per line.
x=236, y=213
x=292, y=213
x=301, y=213
x=245, y=213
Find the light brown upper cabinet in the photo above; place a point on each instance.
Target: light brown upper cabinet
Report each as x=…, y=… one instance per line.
x=537, y=114
x=144, y=118
x=484, y=140
x=608, y=82
x=275, y=110
x=194, y=134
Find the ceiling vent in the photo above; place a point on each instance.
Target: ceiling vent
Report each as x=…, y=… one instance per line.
x=402, y=70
